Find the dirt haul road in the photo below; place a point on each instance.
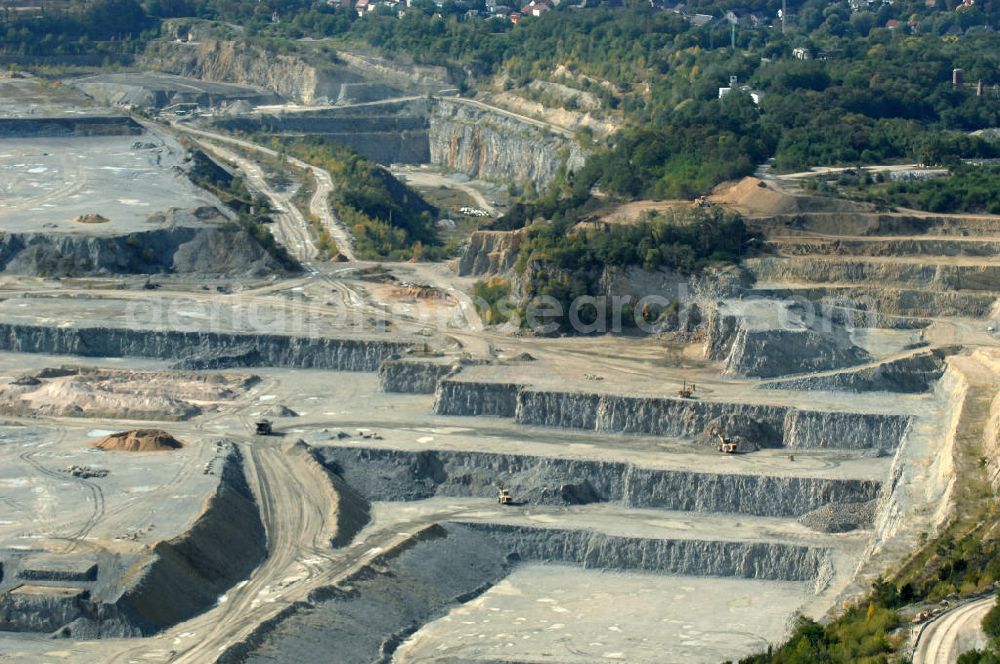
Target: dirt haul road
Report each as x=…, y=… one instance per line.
x=292, y=227
x=317, y=205
x=296, y=503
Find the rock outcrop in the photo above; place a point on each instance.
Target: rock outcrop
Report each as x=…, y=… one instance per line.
x=387, y=133
x=176, y=580
x=490, y=253
x=911, y=374
x=495, y=146
x=940, y=276
x=289, y=76
x=367, y=616
x=187, y=574
x=84, y=125
x=454, y=397
x=455, y=135
x=772, y=353
x=764, y=339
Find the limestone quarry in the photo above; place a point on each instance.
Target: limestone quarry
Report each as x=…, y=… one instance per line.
x=210, y=453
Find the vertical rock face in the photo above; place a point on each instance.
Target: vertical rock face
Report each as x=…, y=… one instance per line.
x=783, y=562
x=573, y=410
x=382, y=474
x=680, y=417
x=31, y=609
x=811, y=428
x=467, y=398
x=201, y=348
x=786, y=344
x=912, y=374
x=720, y=332
x=236, y=62
x=759, y=495
x=412, y=376
x=772, y=353
x=488, y=145
x=940, y=276
x=93, y=125
x=387, y=133
x=762, y=425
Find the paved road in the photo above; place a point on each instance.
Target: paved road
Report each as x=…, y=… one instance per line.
x=943, y=639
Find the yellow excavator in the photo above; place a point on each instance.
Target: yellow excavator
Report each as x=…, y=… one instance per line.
x=504, y=497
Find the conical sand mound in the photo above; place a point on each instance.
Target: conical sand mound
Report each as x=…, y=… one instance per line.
x=139, y=440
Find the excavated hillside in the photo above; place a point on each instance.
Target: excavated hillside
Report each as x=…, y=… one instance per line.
x=885, y=269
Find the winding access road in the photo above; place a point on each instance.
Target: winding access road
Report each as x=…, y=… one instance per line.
x=946, y=637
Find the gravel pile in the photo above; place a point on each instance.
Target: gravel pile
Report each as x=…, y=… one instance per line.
x=840, y=517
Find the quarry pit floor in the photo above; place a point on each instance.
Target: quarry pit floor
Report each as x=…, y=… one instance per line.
x=567, y=613
x=48, y=182
x=539, y=612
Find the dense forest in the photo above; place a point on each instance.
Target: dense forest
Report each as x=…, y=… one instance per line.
x=969, y=189
x=877, y=89
x=566, y=261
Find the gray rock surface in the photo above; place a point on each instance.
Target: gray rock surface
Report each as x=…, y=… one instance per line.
x=762, y=425
x=913, y=374
x=140, y=594
x=490, y=253
x=454, y=397
x=249, y=349
x=187, y=574
x=84, y=125
x=397, y=475
x=412, y=376
x=772, y=561
x=367, y=616
x=772, y=353
x=841, y=517
x=186, y=242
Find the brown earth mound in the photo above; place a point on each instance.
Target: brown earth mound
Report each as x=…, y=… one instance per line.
x=755, y=198
x=139, y=440
x=751, y=196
